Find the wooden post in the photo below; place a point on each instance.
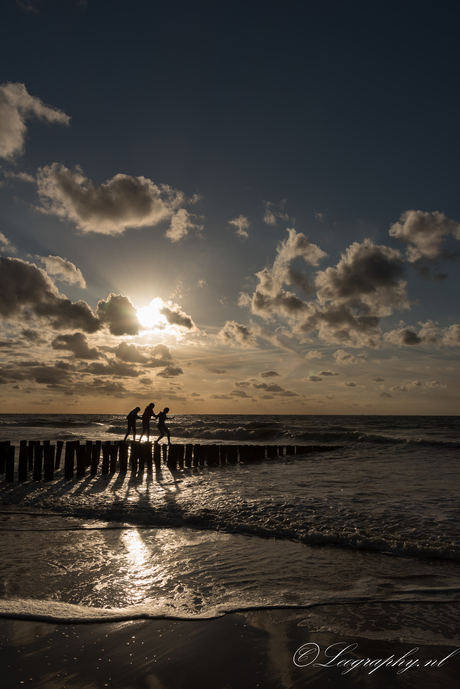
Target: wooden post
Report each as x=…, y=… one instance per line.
x=281, y=451
x=9, y=464
x=188, y=456
x=232, y=454
x=31, y=454
x=123, y=457
x=38, y=460
x=157, y=457
x=4, y=445
x=81, y=461
x=69, y=459
x=95, y=455
x=134, y=456
x=172, y=457
x=59, y=446
x=89, y=444
x=105, y=457
x=290, y=450
x=113, y=452
x=272, y=451
x=197, y=457
x=23, y=461
x=148, y=456
x=48, y=462
x=180, y=455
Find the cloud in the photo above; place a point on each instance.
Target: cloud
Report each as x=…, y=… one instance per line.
x=234, y=333
x=17, y=106
x=130, y=353
x=175, y=316
x=242, y=224
x=377, y=379
x=385, y=394
x=313, y=354
x=110, y=208
x=6, y=245
x=404, y=336
x=119, y=315
x=240, y=393
x=345, y=358
x=269, y=374
x=319, y=217
x=63, y=270
x=271, y=217
x=268, y=387
x=314, y=379
x=349, y=384
x=328, y=373
x=180, y=225
x=26, y=290
x=76, y=343
x=221, y=397
x=424, y=234
x=429, y=333
x=219, y=371
x=170, y=372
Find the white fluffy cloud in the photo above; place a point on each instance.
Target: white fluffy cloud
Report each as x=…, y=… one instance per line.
x=110, y=208
x=180, y=225
x=6, y=245
x=16, y=106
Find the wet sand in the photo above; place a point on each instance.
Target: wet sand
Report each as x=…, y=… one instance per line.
x=237, y=651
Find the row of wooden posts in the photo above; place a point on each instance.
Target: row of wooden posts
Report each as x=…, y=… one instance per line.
x=43, y=459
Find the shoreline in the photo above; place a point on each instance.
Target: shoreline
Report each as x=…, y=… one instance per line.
x=234, y=651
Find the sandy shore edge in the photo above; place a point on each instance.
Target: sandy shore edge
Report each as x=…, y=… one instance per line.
x=240, y=651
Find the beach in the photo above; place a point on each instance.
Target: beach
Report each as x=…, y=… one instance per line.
x=336, y=568
x=237, y=650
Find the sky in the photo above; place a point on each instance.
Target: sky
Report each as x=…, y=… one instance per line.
x=232, y=207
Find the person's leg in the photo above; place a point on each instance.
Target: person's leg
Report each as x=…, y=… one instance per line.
x=168, y=434
x=162, y=433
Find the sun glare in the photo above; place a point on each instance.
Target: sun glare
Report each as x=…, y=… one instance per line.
x=150, y=316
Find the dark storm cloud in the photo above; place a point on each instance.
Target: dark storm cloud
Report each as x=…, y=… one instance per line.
x=76, y=343
x=26, y=289
x=130, y=353
x=328, y=373
x=17, y=106
x=268, y=374
x=119, y=315
x=110, y=208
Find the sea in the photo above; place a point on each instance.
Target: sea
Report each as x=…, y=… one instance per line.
x=362, y=539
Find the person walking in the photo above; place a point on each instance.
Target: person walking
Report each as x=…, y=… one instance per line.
x=132, y=418
x=146, y=416
x=162, y=427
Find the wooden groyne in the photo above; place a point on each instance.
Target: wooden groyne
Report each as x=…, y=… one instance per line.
x=35, y=460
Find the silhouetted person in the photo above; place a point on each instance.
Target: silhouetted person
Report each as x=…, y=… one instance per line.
x=146, y=416
x=132, y=417
x=164, y=430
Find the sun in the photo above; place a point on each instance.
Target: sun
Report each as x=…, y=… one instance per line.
x=150, y=316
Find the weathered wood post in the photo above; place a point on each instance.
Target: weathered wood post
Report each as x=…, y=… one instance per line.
x=4, y=445
x=123, y=457
x=81, y=461
x=113, y=452
x=9, y=464
x=48, y=462
x=59, y=446
x=232, y=454
x=272, y=451
x=180, y=455
x=212, y=455
x=134, y=456
x=188, y=456
x=31, y=454
x=23, y=461
x=105, y=456
x=69, y=459
x=198, y=455
x=280, y=450
x=38, y=460
x=171, y=462
x=148, y=456
x=157, y=457
x=95, y=456
x=89, y=444
x=290, y=450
